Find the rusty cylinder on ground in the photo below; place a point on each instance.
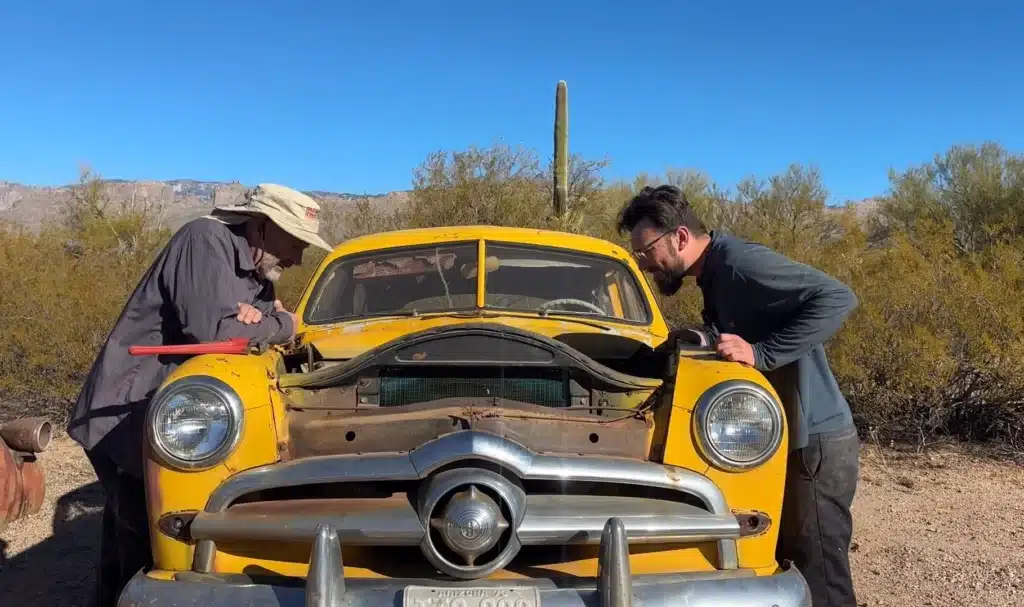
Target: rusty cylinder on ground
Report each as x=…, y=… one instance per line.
x=22, y=482
x=22, y=486
x=28, y=434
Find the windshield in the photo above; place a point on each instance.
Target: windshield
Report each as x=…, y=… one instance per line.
x=438, y=278
x=537, y=279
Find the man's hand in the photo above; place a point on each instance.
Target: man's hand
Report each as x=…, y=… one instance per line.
x=735, y=349
x=249, y=315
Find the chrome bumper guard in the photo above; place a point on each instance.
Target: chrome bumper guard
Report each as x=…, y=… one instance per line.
x=326, y=585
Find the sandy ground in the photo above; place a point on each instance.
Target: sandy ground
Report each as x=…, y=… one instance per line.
x=943, y=528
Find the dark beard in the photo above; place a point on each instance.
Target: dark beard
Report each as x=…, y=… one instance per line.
x=669, y=282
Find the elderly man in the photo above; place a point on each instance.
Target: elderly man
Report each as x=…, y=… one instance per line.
x=213, y=281
x=769, y=312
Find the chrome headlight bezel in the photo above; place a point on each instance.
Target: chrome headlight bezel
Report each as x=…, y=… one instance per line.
x=220, y=390
x=716, y=395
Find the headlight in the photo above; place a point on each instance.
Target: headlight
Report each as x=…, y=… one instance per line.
x=738, y=425
x=195, y=422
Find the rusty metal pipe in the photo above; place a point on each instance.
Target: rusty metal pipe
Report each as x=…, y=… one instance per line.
x=22, y=486
x=28, y=434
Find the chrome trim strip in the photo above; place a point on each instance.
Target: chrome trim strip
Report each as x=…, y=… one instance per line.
x=471, y=444
x=629, y=472
x=786, y=588
x=311, y=471
x=398, y=526
x=580, y=519
x=548, y=520
x=459, y=446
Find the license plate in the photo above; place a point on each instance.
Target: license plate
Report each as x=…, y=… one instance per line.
x=429, y=596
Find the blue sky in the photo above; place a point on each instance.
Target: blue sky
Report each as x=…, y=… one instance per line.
x=351, y=96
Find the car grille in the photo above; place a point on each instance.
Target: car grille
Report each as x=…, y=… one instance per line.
x=401, y=387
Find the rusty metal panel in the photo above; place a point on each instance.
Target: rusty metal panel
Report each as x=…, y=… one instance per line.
x=320, y=430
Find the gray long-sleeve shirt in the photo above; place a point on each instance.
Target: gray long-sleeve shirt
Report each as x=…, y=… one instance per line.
x=786, y=310
x=189, y=294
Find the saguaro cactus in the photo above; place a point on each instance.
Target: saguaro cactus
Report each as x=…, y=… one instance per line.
x=561, y=149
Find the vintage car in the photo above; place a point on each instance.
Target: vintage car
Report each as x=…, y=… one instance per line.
x=471, y=416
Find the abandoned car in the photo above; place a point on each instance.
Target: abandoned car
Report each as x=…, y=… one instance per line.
x=471, y=416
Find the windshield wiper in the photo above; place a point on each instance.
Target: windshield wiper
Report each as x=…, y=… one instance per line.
x=519, y=313
x=572, y=317
x=568, y=316
x=377, y=316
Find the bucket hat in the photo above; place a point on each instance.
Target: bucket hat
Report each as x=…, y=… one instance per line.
x=292, y=211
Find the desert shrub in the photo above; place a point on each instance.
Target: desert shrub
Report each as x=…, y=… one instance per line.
x=977, y=190
x=63, y=288
x=934, y=348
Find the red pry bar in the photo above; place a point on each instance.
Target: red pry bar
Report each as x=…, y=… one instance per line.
x=235, y=345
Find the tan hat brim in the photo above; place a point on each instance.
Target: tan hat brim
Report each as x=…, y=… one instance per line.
x=237, y=214
x=306, y=236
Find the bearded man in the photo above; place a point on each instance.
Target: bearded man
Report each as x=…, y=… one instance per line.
x=769, y=312
x=213, y=281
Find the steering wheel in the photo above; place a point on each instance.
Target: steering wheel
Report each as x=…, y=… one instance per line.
x=575, y=302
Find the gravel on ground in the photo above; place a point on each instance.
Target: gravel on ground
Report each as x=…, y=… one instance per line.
x=944, y=527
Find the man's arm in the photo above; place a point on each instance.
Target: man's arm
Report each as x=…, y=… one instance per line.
x=204, y=288
x=813, y=304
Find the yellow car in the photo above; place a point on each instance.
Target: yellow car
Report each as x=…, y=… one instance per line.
x=470, y=416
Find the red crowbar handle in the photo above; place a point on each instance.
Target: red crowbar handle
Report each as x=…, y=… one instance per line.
x=235, y=345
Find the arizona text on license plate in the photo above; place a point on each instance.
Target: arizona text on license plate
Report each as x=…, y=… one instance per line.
x=428, y=596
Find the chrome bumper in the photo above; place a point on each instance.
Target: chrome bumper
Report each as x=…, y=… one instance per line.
x=326, y=585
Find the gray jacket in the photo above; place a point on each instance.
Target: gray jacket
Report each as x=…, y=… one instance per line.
x=189, y=294
x=787, y=310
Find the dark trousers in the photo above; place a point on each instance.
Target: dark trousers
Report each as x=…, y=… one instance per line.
x=124, y=535
x=816, y=525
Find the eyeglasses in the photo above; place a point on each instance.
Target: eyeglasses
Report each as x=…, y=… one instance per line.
x=642, y=253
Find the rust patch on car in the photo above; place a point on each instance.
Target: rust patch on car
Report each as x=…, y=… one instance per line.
x=177, y=524
x=752, y=522
x=321, y=431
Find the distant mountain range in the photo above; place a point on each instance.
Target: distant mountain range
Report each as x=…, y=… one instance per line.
x=179, y=200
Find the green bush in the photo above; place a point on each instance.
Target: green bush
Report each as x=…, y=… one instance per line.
x=934, y=349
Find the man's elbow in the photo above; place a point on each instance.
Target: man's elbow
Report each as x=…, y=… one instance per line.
x=285, y=327
x=851, y=298
x=849, y=302
x=842, y=300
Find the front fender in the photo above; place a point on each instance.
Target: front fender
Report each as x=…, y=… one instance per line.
x=759, y=490
x=169, y=490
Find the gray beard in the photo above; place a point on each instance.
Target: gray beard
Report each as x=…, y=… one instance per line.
x=271, y=274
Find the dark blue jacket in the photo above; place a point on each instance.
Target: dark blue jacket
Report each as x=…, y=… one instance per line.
x=786, y=310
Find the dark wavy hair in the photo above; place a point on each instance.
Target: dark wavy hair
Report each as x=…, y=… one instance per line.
x=665, y=206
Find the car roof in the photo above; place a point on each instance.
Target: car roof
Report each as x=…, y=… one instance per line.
x=420, y=236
